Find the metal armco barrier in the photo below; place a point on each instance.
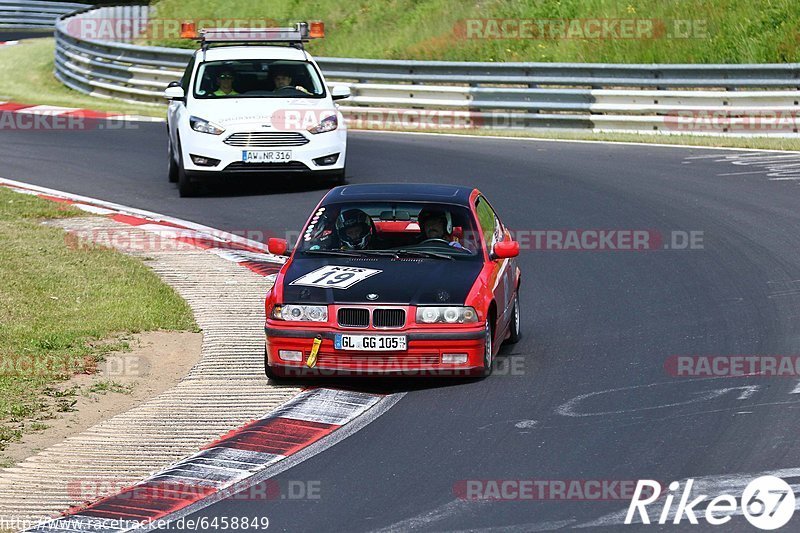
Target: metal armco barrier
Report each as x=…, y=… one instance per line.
x=32, y=14
x=753, y=99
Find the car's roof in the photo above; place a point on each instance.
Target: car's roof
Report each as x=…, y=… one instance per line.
x=222, y=53
x=405, y=192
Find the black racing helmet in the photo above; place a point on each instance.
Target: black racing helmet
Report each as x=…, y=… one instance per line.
x=354, y=218
x=435, y=213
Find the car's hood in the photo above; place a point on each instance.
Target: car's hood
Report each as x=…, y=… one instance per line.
x=247, y=113
x=415, y=282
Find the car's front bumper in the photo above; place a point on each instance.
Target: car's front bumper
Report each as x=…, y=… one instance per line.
x=423, y=356
x=304, y=158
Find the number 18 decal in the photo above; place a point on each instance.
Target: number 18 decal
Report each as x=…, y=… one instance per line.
x=335, y=277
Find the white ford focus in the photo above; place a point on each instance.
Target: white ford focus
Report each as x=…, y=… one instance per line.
x=254, y=101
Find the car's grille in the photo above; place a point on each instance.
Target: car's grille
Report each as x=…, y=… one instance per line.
x=239, y=166
x=262, y=139
x=388, y=318
x=353, y=318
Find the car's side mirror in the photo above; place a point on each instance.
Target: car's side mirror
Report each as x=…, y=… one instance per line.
x=174, y=91
x=505, y=250
x=340, y=92
x=278, y=246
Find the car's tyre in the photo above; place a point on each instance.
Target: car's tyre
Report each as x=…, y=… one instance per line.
x=514, y=327
x=172, y=168
x=488, y=349
x=186, y=187
x=270, y=372
x=339, y=178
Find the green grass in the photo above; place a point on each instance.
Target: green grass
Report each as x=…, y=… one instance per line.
x=57, y=301
x=723, y=31
x=28, y=79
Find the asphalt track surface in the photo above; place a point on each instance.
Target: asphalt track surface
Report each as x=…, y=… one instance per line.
x=593, y=322
x=15, y=35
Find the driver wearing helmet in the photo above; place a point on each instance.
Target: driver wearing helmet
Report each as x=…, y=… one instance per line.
x=354, y=229
x=437, y=224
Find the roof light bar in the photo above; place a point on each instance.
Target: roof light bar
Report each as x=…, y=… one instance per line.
x=298, y=34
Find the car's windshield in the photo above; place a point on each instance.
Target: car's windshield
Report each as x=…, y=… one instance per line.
x=258, y=78
x=394, y=229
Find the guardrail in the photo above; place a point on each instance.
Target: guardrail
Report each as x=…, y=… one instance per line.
x=27, y=14
x=654, y=97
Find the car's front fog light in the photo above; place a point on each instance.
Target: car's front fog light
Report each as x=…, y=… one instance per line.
x=290, y=355
x=203, y=161
x=454, y=358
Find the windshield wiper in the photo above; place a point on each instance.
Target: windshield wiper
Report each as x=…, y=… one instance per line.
x=420, y=253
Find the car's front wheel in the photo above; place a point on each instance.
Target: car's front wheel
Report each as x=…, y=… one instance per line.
x=487, y=349
x=269, y=371
x=338, y=178
x=172, y=166
x=514, y=327
x=186, y=188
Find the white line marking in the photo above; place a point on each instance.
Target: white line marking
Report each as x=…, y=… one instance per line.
x=425, y=520
x=741, y=173
x=748, y=391
x=578, y=141
x=796, y=389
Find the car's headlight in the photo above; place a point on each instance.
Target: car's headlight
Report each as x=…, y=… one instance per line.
x=446, y=315
x=204, y=126
x=329, y=123
x=300, y=313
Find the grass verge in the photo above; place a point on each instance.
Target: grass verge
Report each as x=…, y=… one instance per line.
x=28, y=79
x=675, y=31
x=56, y=301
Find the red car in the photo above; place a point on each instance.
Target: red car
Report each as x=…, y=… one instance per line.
x=409, y=279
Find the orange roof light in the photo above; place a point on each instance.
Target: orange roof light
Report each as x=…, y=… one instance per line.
x=188, y=30
x=316, y=29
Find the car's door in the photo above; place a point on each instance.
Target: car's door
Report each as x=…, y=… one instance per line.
x=503, y=275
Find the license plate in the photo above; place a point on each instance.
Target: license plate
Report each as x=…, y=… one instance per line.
x=266, y=156
x=372, y=343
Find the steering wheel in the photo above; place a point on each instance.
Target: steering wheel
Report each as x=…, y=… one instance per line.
x=426, y=241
